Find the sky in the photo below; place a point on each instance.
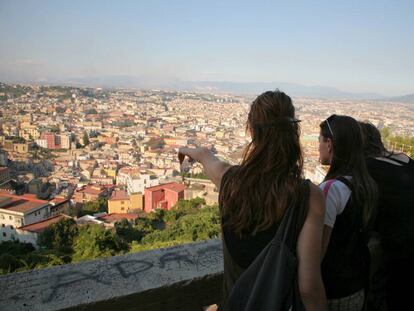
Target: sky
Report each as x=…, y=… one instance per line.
x=356, y=46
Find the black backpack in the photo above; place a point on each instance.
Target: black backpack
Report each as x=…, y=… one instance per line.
x=271, y=281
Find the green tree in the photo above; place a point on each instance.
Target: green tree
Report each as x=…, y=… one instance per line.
x=94, y=241
x=126, y=231
x=59, y=236
x=93, y=207
x=85, y=139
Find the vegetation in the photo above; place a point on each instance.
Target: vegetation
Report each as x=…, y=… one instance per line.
x=85, y=139
x=196, y=175
x=397, y=143
x=123, y=123
x=93, y=207
x=65, y=242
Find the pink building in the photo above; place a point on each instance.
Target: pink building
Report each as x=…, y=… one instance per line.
x=52, y=140
x=163, y=196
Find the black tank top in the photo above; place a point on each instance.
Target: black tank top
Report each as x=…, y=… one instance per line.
x=395, y=218
x=345, y=266
x=238, y=252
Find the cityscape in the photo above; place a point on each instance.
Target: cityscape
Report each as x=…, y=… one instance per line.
x=97, y=97
x=99, y=156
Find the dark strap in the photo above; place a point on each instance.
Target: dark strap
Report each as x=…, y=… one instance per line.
x=294, y=217
x=345, y=181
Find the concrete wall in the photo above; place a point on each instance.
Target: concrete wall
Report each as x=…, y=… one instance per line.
x=186, y=277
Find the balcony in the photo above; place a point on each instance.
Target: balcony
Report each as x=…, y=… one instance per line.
x=184, y=277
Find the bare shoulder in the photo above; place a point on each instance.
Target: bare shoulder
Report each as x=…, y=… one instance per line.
x=316, y=200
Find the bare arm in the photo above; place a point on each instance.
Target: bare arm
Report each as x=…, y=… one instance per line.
x=309, y=250
x=213, y=167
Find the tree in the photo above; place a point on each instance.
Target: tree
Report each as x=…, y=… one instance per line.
x=85, y=139
x=126, y=231
x=94, y=241
x=59, y=236
x=93, y=207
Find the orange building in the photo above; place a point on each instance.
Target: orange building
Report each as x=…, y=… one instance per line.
x=121, y=202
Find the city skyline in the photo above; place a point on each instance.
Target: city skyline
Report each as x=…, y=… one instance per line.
x=354, y=47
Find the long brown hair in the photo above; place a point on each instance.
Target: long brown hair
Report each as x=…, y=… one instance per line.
x=373, y=146
x=261, y=188
x=348, y=159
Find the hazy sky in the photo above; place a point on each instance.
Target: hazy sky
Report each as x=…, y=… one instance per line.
x=360, y=46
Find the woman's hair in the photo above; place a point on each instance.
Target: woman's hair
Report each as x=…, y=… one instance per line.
x=348, y=159
x=373, y=146
x=261, y=188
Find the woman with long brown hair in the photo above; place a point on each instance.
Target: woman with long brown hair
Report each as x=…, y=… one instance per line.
x=254, y=195
x=350, y=202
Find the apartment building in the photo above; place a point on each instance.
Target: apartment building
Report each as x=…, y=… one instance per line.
x=17, y=211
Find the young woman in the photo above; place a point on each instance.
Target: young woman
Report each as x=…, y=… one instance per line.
x=394, y=174
x=254, y=195
x=350, y=199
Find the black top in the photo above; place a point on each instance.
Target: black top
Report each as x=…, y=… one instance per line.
x=346, y=262
x=239, y=252
x=395, y=218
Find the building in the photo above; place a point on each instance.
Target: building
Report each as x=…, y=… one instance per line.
x=163, y=196
x=17, y=211
x=29, y=233
x=91, y=193
x=51, y=140
x=138, y=183
x=122, y=202
x=4, y=175
x=41, y=143
x=21, y=147
x=65, y=141
x=3, y=158
x=111, y=219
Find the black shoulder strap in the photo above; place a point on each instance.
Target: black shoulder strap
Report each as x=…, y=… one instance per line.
x=294, y=217
x=345, y=181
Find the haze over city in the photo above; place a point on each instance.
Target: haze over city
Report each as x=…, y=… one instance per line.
x=352, y=46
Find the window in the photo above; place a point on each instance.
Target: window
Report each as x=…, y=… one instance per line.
x=11, y=227
x=10, y=217
x=2, y=216
x=122, y=208
x=2, y=225
x=4, y=234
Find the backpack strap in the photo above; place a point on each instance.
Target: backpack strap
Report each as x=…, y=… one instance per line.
x=345, y=181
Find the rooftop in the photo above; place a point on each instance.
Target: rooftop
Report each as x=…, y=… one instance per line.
x=20, y=203
x=172, y=186
x=114, y=217
x=92, y=189
x=42, y=225
x=119, y=195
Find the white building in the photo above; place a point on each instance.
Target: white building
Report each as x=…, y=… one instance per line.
x=138, y=183
x=41, y=143
x=17, y=211
x=30, y=233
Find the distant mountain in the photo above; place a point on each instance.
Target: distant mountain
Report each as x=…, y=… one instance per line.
x=253, y=88
x=290, y=88
x=402, y=99
x=219, y=86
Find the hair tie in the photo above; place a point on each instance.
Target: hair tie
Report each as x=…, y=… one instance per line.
x=283, y=123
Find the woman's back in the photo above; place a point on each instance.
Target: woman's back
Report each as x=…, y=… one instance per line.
x=239, y=252
x=395, y=216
